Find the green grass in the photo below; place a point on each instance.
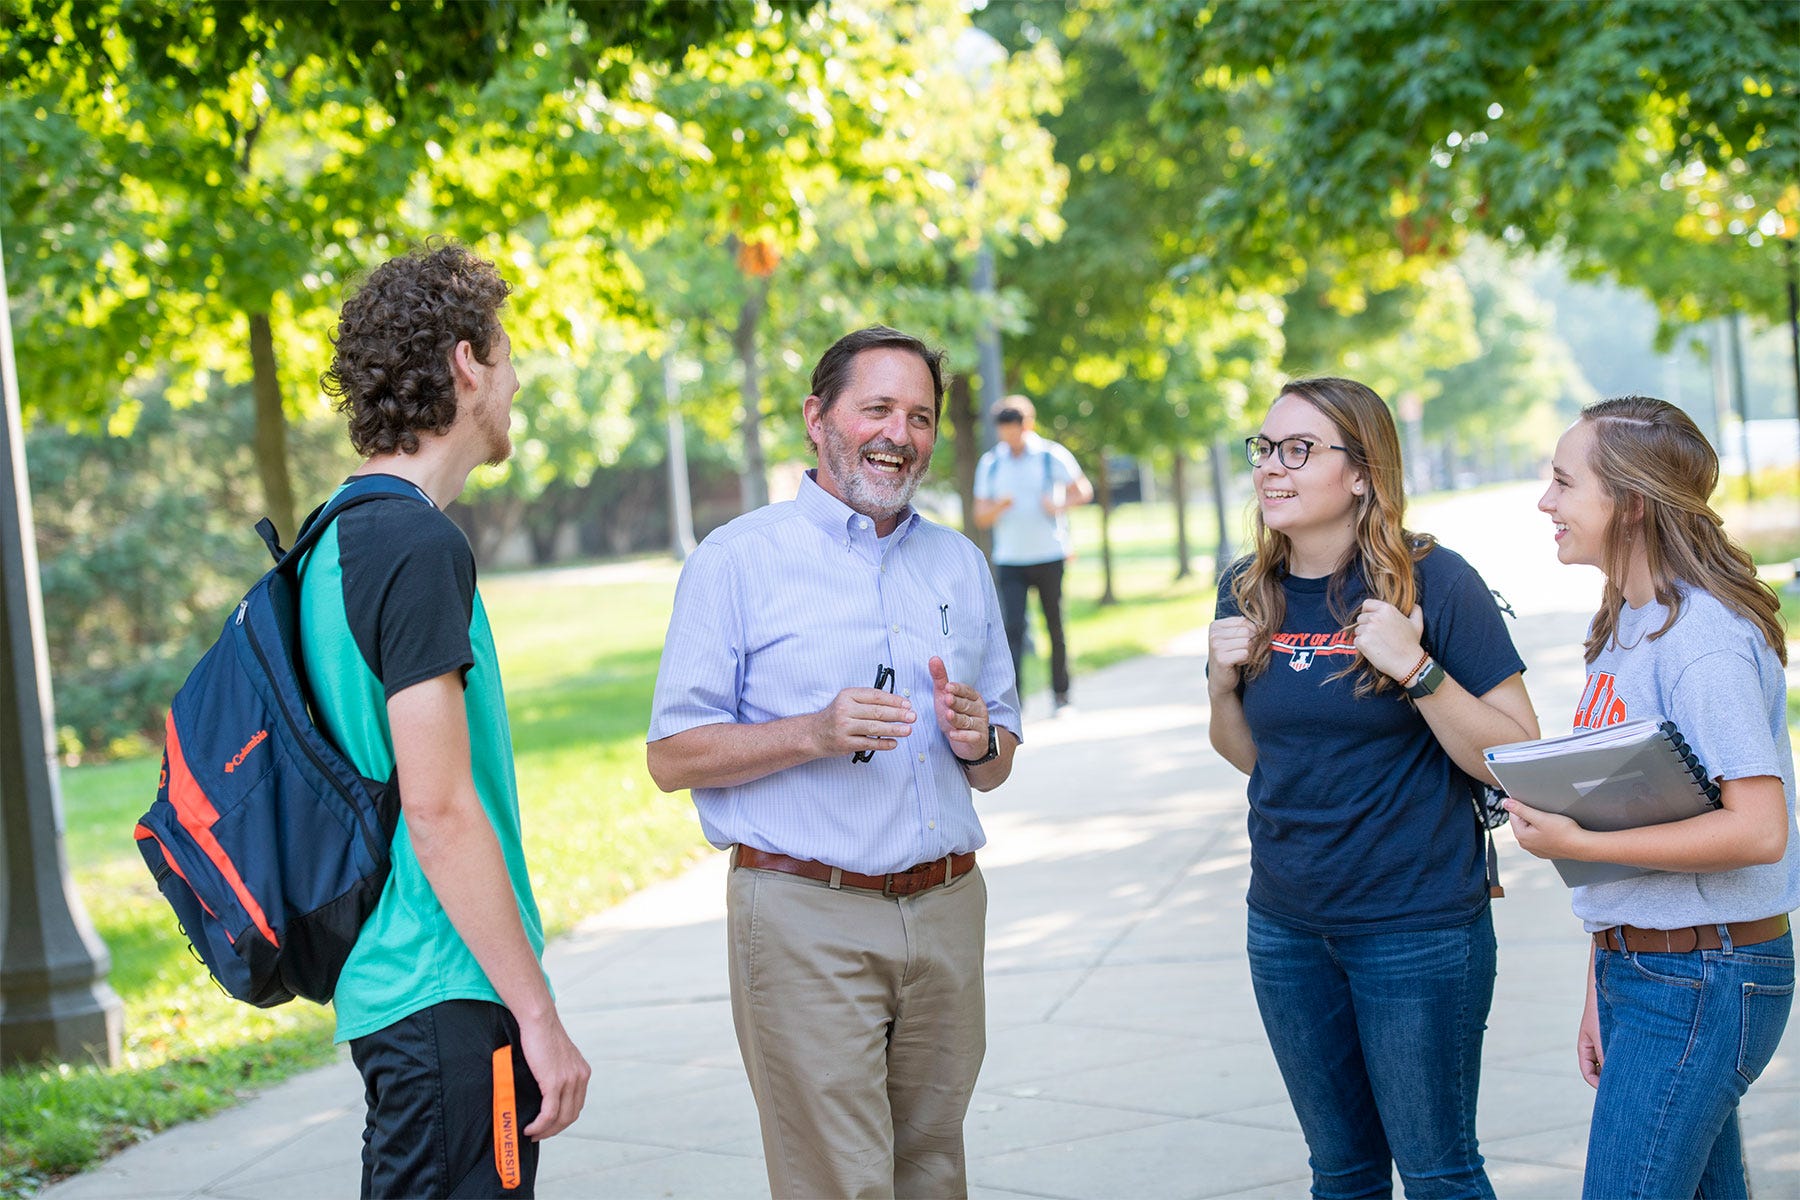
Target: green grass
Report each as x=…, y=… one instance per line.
x=1150, y=605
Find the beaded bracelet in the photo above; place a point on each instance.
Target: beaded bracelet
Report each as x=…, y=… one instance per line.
x=1407, y=680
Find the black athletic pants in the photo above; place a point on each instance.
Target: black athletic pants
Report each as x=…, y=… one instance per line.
x=444, y=1120
x=1015, y=583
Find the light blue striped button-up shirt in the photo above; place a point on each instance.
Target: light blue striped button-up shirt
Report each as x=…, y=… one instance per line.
x=785, y=607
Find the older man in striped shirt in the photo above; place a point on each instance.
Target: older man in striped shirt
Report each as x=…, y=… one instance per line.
x=835, y=680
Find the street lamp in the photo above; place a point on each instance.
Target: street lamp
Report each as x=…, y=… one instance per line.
x=55, y=1002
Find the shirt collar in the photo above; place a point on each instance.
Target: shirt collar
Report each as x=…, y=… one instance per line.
x=1033, y=444
x=838, y=519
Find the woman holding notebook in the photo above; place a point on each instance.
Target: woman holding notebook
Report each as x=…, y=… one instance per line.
x=1691, y=974
x=1356, y=671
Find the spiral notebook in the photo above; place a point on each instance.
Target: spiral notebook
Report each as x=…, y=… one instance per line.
x=1622, y=777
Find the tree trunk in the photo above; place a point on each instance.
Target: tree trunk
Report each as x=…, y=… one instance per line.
x=1103, y=491
x=965, y=427
x=1226, y=551
x=1179, y=484
x=1740, y=392
x=753, y=483
x=681, y=494
x=271, y=429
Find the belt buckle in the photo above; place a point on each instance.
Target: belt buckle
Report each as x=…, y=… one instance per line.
x=908, y=880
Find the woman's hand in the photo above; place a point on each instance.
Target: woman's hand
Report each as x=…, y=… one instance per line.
x=1545, y=834
x=1588, y=1055
x=1227, y=650
x=1389, y=639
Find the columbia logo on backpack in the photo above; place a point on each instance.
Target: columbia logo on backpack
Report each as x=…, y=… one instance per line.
x=267, y=843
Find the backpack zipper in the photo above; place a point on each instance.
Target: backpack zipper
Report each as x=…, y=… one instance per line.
x=296, y=727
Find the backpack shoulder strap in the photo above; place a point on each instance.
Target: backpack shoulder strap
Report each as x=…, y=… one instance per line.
x=360, y=490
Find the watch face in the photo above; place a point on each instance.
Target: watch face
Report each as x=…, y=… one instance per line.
x=1428, y=682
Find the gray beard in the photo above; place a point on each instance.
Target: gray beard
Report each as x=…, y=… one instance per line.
x=878, y=501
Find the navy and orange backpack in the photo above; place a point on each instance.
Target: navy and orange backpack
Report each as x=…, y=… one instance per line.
x=267, y=843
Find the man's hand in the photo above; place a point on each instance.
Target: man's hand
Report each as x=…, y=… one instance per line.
x=1227, y=650
x=1389, y=639
x=862, y=719
x=988, y=511
x=961, y=713
x=1545, y=834
x=561, y=1072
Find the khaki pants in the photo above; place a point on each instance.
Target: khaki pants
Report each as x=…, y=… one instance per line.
x=862, y=1023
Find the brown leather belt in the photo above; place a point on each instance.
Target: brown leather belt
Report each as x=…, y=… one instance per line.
x=900, y=883
x=1694, y=937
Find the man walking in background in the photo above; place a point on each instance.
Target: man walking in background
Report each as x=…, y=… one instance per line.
x=856, y=915
x=1023, y=488
x=465, y=1063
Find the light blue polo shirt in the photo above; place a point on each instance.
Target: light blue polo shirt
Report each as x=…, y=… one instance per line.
x=1025, y=534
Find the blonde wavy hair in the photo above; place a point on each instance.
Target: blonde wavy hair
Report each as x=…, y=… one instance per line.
x=1660, y=471
x=1385, y=551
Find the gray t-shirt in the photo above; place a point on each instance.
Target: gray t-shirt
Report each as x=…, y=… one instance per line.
x=1715, y=676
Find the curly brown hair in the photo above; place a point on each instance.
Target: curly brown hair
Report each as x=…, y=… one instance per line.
x=390, y=371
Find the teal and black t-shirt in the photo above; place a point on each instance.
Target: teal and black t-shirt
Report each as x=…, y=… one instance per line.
x=388, y=600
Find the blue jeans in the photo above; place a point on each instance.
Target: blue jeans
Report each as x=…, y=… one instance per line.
x=1683, y=1036
x=1378, y=1036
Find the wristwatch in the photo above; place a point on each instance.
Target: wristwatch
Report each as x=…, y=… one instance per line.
x=1428, y=680
x=993, y=748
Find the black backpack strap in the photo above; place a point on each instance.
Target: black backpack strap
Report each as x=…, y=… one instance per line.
x=359, y=490
x=1476, y=789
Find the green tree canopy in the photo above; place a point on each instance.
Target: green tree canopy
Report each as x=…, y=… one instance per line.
x=195, y=181
x=1401, y=128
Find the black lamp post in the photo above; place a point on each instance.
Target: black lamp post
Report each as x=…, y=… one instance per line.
x=55, y=1003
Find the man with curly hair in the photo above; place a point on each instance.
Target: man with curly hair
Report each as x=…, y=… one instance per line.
x=465, y=1062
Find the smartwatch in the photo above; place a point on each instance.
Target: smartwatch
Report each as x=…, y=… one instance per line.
x=993, y=750
x=1428, y=680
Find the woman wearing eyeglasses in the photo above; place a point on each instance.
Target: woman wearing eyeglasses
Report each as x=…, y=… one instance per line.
x=1357, y=671
x=1691, y=971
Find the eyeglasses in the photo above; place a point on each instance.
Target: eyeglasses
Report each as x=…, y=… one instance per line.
x=884, y=681
x=1292, y=451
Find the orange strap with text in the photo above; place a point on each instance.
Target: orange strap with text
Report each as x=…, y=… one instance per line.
x=506, y=1120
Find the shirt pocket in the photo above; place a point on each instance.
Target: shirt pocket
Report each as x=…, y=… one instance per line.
x=960, y=637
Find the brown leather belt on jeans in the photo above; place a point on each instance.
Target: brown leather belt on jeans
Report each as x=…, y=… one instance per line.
x=900, y=883
x=1694, y=937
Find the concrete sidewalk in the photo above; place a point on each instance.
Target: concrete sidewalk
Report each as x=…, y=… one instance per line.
x=1125, y=1059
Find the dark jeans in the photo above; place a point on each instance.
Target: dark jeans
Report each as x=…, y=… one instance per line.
x=1378, y=1037
x=1015, y=582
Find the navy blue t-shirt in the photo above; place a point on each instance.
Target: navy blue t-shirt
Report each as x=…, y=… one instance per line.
x=1359, y=820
